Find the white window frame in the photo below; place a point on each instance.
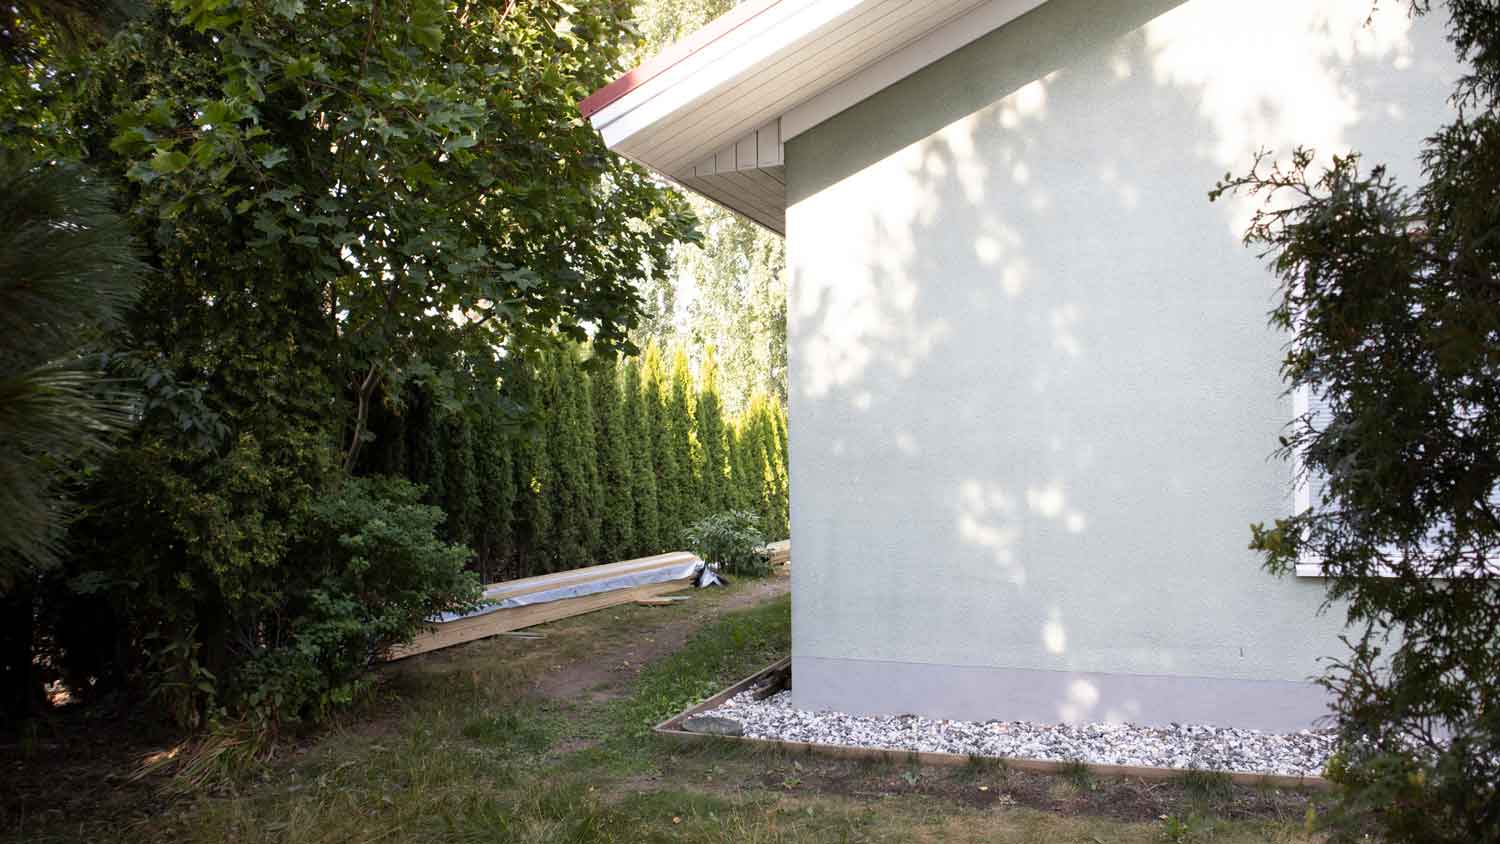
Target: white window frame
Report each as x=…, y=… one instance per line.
x=1309, y=565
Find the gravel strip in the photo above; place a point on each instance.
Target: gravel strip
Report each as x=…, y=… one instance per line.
x=1178, y=746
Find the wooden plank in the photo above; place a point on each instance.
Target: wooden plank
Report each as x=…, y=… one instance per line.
x=781, y=552
x=672, y=728
x=591, y=574
x=671, y=724
x=659, y=602
x=503, y=621
x=622, y=565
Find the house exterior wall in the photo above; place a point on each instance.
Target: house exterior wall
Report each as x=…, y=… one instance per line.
x=1034, y=395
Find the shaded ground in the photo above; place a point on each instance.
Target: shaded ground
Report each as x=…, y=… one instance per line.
x=547, y=740
x=605, y=673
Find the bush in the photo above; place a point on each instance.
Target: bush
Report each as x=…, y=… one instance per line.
x=733, y=540
x=372, y=571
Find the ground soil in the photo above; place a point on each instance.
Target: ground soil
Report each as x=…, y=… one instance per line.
x=982, y=788
x=605, y=673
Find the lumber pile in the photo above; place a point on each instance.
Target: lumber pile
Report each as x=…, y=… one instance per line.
x=781, y=552
x=517, y=604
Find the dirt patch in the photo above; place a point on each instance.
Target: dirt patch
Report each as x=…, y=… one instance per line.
x=78, y=763
x=604, y=674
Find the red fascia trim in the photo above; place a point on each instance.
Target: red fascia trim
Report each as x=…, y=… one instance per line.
x=666, y=59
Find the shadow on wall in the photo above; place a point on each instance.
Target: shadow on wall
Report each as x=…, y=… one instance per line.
x=1033, y=387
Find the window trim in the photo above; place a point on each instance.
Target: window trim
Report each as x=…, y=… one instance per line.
x=1308, y=565
x=1311, y=565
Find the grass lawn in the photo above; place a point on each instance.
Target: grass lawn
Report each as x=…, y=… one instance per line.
x=547, y=740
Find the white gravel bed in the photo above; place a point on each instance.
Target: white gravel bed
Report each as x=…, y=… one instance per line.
x=1178, y=746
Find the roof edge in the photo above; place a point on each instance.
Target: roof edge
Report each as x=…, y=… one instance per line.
x=673, y=55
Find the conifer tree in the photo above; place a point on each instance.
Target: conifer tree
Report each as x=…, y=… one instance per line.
x=434, y=447
x=495, y=475
x=761, y=458
x=713, y=446
x=637, y=418
x=583, y=398
x=678, y=400
x=387, y=454
x=665, y=458
x=781, y=526
x=532, y=525
x=738, y=496
x=616, y=470
x=460, y=494
x=573, y=498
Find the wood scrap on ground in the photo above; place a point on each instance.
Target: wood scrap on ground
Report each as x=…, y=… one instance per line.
x=590, y=591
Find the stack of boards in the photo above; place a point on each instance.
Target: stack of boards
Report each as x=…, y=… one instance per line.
x=780, y=552
x=536, y=600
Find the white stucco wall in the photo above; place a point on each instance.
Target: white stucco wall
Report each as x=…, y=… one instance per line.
x=1034, y=396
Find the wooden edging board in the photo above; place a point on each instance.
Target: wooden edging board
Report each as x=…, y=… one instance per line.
x=671, y=728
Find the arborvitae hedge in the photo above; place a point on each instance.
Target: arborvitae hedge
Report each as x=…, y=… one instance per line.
x=574, y=494
x=677, y=421
x=639, y=419
x=666, y=459
x=531, y=518
x=712, y=465
x=493, y=536
x=613, y=451
x=587, y=463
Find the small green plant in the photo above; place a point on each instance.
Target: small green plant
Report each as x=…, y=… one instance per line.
x=1186, y=830
x=733, y=540
x=1077, y=772
x=1207, y=786
x=912, y=776
x=981, y=767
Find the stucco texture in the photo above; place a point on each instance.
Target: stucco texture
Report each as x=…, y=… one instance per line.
x=1034, y=394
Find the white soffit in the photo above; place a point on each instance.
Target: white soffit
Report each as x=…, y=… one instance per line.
x=937, y=43
x=783, y=66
